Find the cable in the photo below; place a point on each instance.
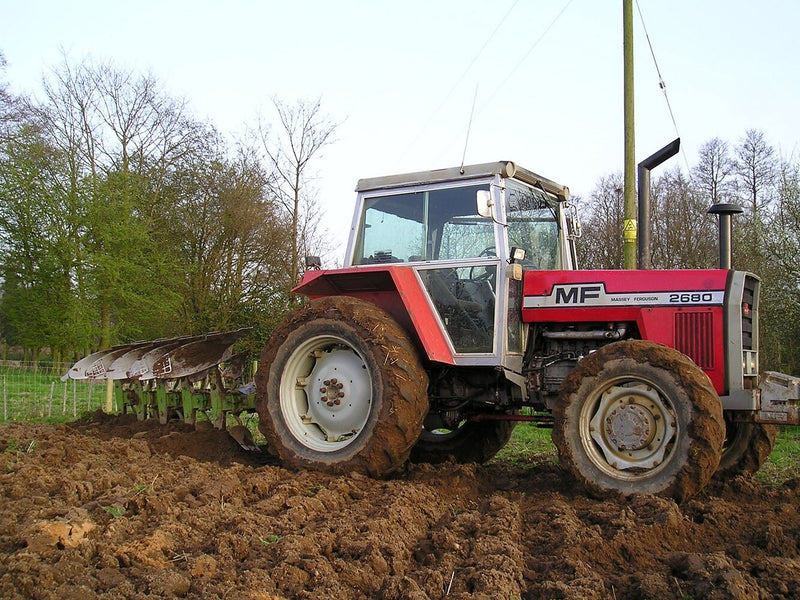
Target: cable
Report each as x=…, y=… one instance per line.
x=525, y=57
x=663, y=86
x=460, y=79
x=499, y=87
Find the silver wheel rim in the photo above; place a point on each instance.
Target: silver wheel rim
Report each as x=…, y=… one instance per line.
x=628, y=428
x=325, y=393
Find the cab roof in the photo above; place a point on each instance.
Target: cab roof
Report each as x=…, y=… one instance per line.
x=503, y=168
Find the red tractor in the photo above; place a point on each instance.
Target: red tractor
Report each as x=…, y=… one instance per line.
x=461, y=311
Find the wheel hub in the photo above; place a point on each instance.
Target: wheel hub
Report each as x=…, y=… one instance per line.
x=332, y=393
x=631, y=428
x=339, y=394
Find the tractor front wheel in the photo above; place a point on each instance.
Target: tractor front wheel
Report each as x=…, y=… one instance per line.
x=638, y=417
x=341, y=389
x=747, y=446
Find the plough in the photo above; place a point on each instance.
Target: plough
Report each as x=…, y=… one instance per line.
x=175, y=378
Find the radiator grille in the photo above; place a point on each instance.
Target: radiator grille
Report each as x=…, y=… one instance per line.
x=694, y=337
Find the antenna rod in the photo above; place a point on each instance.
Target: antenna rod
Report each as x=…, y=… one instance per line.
x=469, y=127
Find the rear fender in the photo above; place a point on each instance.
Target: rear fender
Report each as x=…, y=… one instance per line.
x=395, y=289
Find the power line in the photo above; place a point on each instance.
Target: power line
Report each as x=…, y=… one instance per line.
x=663, y=86
x=461, y=78
x=536, y=42
x=528, y=53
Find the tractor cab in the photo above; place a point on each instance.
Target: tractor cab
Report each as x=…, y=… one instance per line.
x=467, y=233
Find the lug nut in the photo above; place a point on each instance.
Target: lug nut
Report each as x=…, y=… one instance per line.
x=327, y=382
x=337, y=402
x=341, y=394
x=340, y=385
x=334, y=381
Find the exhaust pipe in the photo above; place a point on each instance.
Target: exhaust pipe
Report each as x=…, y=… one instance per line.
x=725, y=214
x=643, y=197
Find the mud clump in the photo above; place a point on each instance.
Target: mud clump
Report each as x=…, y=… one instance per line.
x=115, y=508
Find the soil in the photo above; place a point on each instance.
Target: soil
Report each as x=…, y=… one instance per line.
x=115, y=508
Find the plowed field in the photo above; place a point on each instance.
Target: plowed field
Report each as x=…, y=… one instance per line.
x=119, y=509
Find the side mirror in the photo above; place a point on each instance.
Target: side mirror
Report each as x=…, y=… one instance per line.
x=573, y=220
x=485, y=203
x=313, y=262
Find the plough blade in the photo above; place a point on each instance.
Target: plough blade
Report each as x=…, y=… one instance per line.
x=166, y=358
x=123, y=366
x=96, y=365
x=175, y=378
x=142, y=369
x=197, y=356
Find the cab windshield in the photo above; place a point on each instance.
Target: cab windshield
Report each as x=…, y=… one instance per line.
x=422, y=226
x=532, y=217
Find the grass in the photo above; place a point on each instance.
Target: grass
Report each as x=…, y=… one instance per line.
x=29, y=394
x=529, y=445
x=115, y=511
x=784, y=462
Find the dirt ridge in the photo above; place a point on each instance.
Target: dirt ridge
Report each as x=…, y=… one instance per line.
x=114, y=508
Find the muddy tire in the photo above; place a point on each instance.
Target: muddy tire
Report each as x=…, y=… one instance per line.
x=473, y=441
x=341, y=389
x=638, y=417
x=747, y=447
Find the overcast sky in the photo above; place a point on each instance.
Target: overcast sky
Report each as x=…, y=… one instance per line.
x=545, y=75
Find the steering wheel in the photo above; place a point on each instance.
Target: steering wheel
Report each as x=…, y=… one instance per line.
x=484, y=273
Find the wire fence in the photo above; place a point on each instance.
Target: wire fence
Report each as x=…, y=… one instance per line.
x=35, y=391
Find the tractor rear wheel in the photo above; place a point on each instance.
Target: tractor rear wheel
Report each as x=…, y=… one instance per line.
x=638, y=417
x=747, y=447
x=471, y=441
x=340, y=388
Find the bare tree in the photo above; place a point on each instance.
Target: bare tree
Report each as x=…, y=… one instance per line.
x=10, y=106
x=302, y=134
x=715, y=171
x=756, y=169
x=600, y=247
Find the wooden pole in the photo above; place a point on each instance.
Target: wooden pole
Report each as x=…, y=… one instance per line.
x=629, y=245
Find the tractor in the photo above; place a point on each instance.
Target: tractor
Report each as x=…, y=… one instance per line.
x=461, y=311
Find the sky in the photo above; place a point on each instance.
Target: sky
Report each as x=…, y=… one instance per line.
x=426, y=84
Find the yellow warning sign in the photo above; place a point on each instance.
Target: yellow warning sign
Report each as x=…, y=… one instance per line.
x=629, y=231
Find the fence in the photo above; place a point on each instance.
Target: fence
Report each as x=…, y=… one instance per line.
x=31, y=391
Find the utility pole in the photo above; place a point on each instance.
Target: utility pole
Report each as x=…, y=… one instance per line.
x=629, y=245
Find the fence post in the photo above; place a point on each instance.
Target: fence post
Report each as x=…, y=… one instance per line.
x=109, y=396
x=5, y=400
x=50, y=403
